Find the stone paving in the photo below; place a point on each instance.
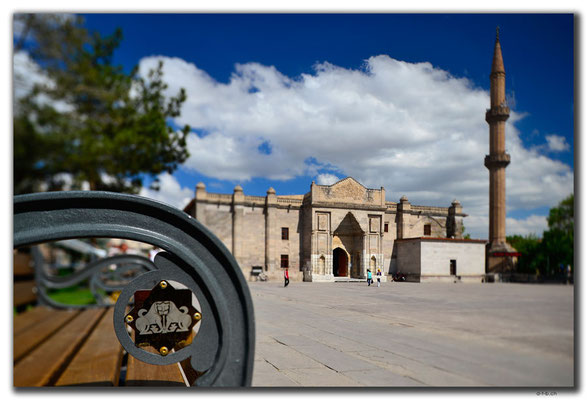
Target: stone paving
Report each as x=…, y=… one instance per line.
x=413, y=335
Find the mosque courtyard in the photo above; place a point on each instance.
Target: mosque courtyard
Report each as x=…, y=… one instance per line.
x=413, y=335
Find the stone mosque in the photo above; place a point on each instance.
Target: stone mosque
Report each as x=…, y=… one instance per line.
x=338, y=232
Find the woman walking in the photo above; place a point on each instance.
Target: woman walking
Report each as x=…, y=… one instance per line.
x=286, y=277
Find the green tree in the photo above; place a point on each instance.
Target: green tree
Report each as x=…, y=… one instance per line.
x=530, y=248
x=562, y=217
x=89, y=120
x=556, y=247
x=558, y=240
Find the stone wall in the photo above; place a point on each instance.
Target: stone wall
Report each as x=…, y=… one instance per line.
x=287, y=218
x=388, y=239
x=252, y=238
x=408, y=258
x=218, y=218
x=347, y=190
x=306, y=241
x=423, y=259
x=469, y=257
x=344, y=215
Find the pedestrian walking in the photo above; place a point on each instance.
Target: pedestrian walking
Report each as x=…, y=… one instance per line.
x=378, y=277
x=369, y=277
x=286, y=277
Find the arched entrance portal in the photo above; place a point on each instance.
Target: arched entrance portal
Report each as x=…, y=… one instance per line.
x=340, y=262
x=347, y=244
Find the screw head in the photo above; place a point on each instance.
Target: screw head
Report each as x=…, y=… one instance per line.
x=197, y=316
x=163, y=284
x=129, y=319
x=164, y=351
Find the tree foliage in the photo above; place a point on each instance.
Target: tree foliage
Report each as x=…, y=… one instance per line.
x=89, y=121
x=532, y=256
x=559, y=241
x=563, y=217
x=555, y=249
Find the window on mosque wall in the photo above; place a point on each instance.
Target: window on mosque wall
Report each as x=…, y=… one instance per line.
x=386, y=227
x=284, y=261
x=284, y=233
x=427, y=230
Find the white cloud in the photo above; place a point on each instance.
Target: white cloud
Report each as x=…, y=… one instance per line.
x=169, y=192
x=477, y=226
x=327, y=179
x=412, y=128
x=557, y=143
x=535, y=224
x=27, y=74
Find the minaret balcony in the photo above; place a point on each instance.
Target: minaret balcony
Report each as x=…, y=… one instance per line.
x=494, y=161
x=496, y=74
x=497, y=113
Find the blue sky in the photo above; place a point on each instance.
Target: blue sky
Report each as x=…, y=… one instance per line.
x=538, y=49
x=394, y=100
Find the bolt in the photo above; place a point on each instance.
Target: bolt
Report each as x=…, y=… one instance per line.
x=197, y=316
x=129, y=319
x=164, y=351
x=163, y=284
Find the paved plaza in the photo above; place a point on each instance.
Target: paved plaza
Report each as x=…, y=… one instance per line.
x=413, y=334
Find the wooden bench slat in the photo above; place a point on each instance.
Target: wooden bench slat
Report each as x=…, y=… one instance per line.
x=29, y=318
x=24, y=293
x=42, y=366
x=22, y=265
x=98, y=361
x=30, y=338
x=142, y=374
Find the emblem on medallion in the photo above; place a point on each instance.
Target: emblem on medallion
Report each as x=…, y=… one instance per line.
x=163, y=317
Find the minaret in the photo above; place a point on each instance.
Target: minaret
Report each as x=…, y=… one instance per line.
x=496, y=162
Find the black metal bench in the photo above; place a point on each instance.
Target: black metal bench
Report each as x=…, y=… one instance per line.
x=218, y=351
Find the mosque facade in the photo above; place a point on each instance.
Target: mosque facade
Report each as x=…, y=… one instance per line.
x=338, y=232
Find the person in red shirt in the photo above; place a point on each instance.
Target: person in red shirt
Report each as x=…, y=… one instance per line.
x=286, y=277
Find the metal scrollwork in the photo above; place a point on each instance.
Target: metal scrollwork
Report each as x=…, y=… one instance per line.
x=105, y=275
x=222, y=351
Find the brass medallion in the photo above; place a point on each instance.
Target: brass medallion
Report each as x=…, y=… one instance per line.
x=163, y=317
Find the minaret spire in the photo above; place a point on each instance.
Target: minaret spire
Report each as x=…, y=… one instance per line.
x=499, y=252
x=497, y=66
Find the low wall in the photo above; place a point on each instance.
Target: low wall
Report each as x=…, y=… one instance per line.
x=526, y=278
